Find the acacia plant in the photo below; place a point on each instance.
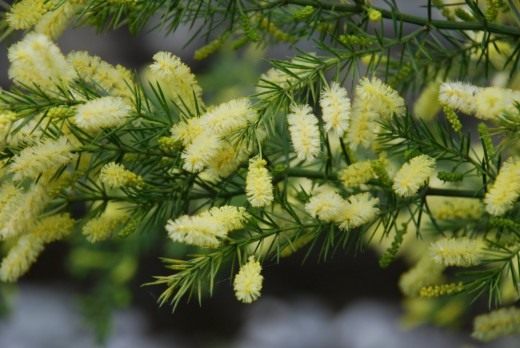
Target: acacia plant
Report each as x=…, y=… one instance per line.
x=399, y=132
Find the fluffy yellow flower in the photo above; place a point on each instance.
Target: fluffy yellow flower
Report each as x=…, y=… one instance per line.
x=335, y=107
x=200, y=152
x=176, y=80
x=53, y=228
x=458, y=96
x=20, y=258
x=208, y=228
x=37, y=60
x=462, y=252
x=54, y=23
x=504, y=192
x=248, y=281
x=498, y=323
x=104, y=112
x=115, y=80
x=492, y=102
x=229, y=117
x=187, y=131
x=427, y=105
x=363, y=126
x=44, y=159
x=114, y=175
x=377, y=96
x=359, y=209
x=357, y=174
x=26, y=13
x=325, y=204
x=103, y=226
x=304, y=131
x=259, y=186
x=226, y=160
x=413, y=174
x=453, y=208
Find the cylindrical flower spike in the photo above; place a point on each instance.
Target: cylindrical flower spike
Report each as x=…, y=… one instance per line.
x=259, y=186
x=305, y=134
x=413, y=174
x=335, y=107
x=248, y=281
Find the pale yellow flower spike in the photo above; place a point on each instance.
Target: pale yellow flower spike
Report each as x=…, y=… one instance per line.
x=248, y=281
x=208, y=228
x=357, y=174
x=304, y=131
x=100, y=113
x=499, y=323
x=325, y=204
x=37, y=60
x=42, y=159
x=20, y=257
x=377, y=96
x=335, y=107
x=462, y=252
x=504, y=192
x=413, y=174
x=359, y=209
x=53, y=228
x=458, y=96
x=176, y=80
x=259, y=186
x=114, y=175
x=54, y=23
x=26, y=13
x=103, y=227
x=427, y=104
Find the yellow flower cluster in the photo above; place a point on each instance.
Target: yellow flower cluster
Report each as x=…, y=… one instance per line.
x=44, y=158
x=114, y=80
x=458, y=96
x=28, y=247
x=259, y=186
x=101, y=113
x=413, y=174
x=455, y=208
x=114, y=175
x=504, y=192
x=373, y=100
x=103, y=226
x=248, y=281
x=26, y=13
x=498, y=323
x=36, y=60
x=176, y=81
x=335, y=107
x=208, y=139
x=304, y=131
x=427, y=103
x=208, y=228
x=462, y=252
x=357, y=174
x=54, y=22
x=328, y=206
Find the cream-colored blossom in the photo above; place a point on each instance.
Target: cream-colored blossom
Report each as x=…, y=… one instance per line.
x=304, y=131
x=425, y=273
x=176, y=80
x=100, y=113
x=363, y=127
x=492, y=102
x=413, y=174
x=26, y=13
x=248, y=281
x=377, y=96
x=498, y=323
x=357, y=174
x=54, y=22
x=187, y=131
x=458, y=96
x=504, y=192
x=335, y=108
x=20, y=257
x=326, y=205
x=44, y=159
x=200, y=152
x=359, y=209
x=259, y=186
x=36, y=60
x=114, y=175
x=427, y=105
x=116, y=80
x=229, y=117
x=103, y=226
x=208, y=228
x=462, y=252
x=53, y=227
x=453, y=208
